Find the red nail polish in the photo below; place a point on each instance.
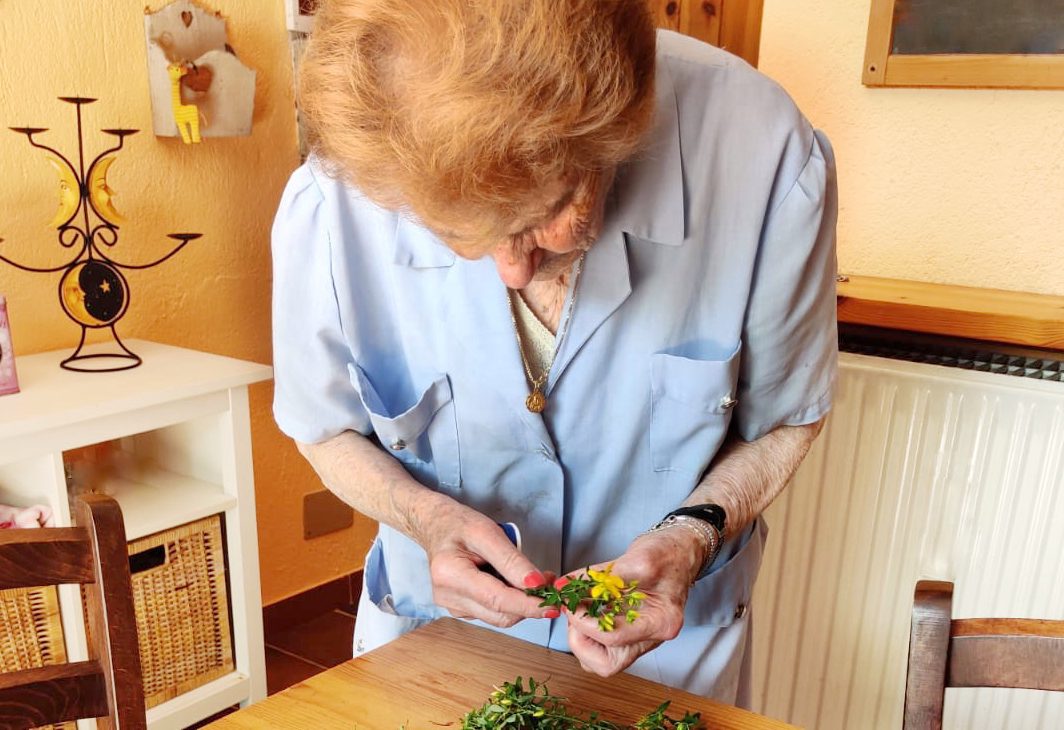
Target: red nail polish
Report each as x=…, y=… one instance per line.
x=552, y=613
x=561, y=582
x=534, y=579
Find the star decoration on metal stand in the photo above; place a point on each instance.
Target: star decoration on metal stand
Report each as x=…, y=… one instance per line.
x=93, y=292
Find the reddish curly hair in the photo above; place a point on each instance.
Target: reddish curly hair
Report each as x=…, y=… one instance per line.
x=462, y=112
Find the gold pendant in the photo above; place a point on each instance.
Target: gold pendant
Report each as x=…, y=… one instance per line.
x=536, y=401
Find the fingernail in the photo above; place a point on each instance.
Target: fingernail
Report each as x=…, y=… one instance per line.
x=560, y=583
x=534, y=579
x=552, y=613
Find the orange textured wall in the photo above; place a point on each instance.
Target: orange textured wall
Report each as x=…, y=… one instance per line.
x=214, y=295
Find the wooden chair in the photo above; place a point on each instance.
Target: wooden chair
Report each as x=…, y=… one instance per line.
x=109, y=685
x=975, y=652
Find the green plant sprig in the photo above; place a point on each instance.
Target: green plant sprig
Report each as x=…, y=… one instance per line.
x=514, y=708
x=604, y=596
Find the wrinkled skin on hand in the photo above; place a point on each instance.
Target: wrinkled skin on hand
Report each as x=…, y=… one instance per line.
x=664, y=564
x=459, y=541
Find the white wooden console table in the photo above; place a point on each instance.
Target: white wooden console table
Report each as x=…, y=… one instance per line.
x=185, y=414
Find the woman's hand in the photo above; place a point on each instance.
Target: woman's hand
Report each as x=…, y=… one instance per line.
x=460, y=540
x=664, y=564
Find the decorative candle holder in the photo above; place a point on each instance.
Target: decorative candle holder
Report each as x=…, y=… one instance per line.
x=92, y=289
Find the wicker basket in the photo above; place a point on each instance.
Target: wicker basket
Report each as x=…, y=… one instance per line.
x=182, y=608
x=31, y=634
x=181, y=605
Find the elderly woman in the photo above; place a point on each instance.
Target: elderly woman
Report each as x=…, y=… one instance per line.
x=548, y=267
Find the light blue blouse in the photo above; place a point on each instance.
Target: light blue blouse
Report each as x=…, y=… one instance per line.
x=707, y=304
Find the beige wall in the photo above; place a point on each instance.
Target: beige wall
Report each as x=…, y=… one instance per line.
x=215, y=294
x=950, y=186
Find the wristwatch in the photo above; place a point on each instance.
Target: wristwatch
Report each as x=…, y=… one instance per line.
x=708, y=520
x=711, y=513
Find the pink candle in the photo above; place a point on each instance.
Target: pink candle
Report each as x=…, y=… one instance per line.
x=8, y=376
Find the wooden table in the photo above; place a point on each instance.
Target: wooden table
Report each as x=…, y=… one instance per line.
x=431, y=677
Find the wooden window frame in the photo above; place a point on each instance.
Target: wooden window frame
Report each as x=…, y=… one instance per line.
x=1015, y=71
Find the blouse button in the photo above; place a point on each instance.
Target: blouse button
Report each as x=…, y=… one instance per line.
x=727, y=402
x=398, y=445
x=740, y=611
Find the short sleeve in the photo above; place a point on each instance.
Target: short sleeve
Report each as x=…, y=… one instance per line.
x=790, y=336
x=313, y=396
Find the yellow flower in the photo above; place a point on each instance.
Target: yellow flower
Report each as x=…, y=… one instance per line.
x=606, y=584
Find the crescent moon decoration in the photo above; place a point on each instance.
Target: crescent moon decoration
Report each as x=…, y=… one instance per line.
x=92, y=290
x=69, y=192
x=100, y=193
x=93, y=293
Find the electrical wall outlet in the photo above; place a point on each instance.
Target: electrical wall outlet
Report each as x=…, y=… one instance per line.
x=324, y=512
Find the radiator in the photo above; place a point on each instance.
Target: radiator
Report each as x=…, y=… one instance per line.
x=922, y=471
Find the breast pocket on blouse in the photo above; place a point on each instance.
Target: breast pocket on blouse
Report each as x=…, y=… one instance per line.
x=691, y=406
x=424, y=436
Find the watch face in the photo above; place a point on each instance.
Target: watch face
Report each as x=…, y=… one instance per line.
x=711, y=513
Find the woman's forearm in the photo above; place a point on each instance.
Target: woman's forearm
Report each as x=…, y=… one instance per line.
x=746, y=476
x=457, y=539
x=358, y=472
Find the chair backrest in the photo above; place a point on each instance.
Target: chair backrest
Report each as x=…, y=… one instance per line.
x=975, y=652
x=107, y=686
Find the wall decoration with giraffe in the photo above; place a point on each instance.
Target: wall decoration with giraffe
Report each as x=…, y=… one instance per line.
x=199, y=88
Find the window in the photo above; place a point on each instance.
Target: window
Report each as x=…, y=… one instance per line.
x=966, y=43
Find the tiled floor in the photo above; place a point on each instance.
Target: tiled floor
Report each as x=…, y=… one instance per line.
x=304, y=650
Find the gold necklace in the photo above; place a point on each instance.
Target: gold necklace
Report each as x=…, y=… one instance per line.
x=537, y=400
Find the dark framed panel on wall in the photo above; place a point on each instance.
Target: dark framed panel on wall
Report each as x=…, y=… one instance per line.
x=966, y=43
